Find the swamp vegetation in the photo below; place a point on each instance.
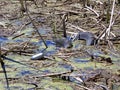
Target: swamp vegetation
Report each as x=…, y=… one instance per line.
x=60, y=44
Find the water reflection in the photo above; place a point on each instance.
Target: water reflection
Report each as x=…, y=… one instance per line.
x=79, y=60
x=3, y=39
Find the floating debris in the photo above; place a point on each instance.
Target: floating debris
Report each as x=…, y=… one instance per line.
x=37, y=56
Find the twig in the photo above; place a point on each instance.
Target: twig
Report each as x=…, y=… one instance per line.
x=4, y=70
x=12, y=48
x=111, y=23
x=103, y=86
x=64, y=25
x=116, y=18
x=9, y=59
x=83, y=87
x=100, y=36
x=25, y=24
x=68, y=11
x=76, y=27
x=71, y=32
x=92, y=10
x=74, y=75
x=18, y=35
x=36, y=28
x=50, y=74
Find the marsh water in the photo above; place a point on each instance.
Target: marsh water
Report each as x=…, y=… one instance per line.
x=77, y=68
